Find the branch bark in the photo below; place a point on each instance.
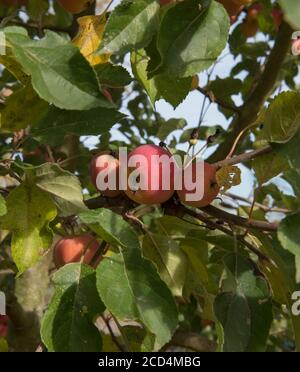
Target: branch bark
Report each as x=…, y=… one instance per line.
x=192, y=341
x=221, y=103
x=243, y=158
x=260, y=92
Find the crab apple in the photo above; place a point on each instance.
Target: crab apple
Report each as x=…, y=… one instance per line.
x=210, y=186
x=104, y=169
x=242, y=2
x=150, y=175
x=195, y=82
x=75, y=6
x=231, y=8
x=277, y=15
x=107, y=94
x=165, y=2
x=3, y=325
x=71, y=249
x=249, y=27
x=14, y=2
x=254, y=10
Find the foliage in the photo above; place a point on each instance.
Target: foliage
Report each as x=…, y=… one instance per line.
x=226, y=273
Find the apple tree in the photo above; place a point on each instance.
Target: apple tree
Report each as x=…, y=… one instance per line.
x=83, y=270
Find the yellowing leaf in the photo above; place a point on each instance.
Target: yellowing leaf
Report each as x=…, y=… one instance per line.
x=228, y=176
x=89, y=37
x=3, y=345
x=29, y=212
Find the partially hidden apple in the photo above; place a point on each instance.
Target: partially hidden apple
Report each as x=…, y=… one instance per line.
x=14, y=2
x=277, y=15
x=209, y=185
x=104, y=170
x=75, y=6
x=232, y=8
x=165, y=2
x=3, y=325
x=150, y=179
x=75, y=248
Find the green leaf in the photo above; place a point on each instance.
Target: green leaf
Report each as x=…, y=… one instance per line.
x=282, y=118
x=62, y=185
x=281, y=276
x=68, y=324
x=3, y=345
x=29, y=211
x=246, y=312
x=3, y=208
x=112, y=76
x=139, y=64
x=233, y=313
x=192, y=35
x=169, y=126
x=256, y=291
x=290, y=151
x=268, y=166
x=131, y=26
x=173, y=90
x=289, y=234
x=22, y=108
x=59, y=73
x=128, y=284
x=58, y=123
x=169, y=259
x=292, y=12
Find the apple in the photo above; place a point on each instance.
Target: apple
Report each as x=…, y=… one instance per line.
x=103, y=166
x=143, y=176
x=249, y=27
x=75, y=6
x=195, y=82
x=107, y=94
x=3, y=325
x=165, y=2
x=232, y=8
x=14, y=2
x=242, y=2
x=71, y=249
x=277, y=15
x=254, y=10
x=210, y=186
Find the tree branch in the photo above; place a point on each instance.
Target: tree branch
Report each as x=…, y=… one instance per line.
x=193, y=341
x=243, y=158
x=239, y=221
x=216, y=226
x=260, y=91
x=218, y=101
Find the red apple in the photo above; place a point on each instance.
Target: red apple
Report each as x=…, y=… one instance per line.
x=210, y=186
x=71, y=249
x=103, y=166
x=165, y=2
x=232, y=8
x=75, y=6
x=146, y=178
x=3, y=325
x=277, y=15
x=14, y=2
